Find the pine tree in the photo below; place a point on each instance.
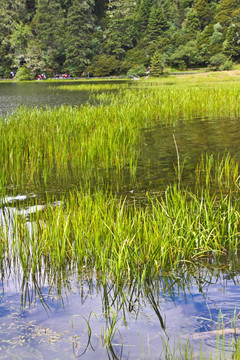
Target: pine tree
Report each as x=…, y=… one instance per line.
x=232, y=43
x=204, y=13
x=121, y=9
x=47, y=25
x=143, y=15
x=158, y=64
x=192, y=23
x=78, y=37
x=227, y=7
x=12, y=14
x=121, y=31
x=157, y=23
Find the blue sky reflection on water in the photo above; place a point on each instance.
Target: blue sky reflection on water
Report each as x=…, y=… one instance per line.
x=60, y=330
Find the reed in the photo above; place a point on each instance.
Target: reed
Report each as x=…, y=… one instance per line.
x=94, y=145
x=100, y=232
x=99, y=141
x=89, y=226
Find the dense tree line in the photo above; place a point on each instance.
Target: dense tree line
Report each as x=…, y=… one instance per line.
x=108, y=37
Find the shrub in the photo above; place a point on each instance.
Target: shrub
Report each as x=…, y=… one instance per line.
x=103, y=65
x=138, y=70
x=228, y=65
x=23, y=74
x=216, y=61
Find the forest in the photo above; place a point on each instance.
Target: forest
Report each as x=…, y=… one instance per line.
x=116, y=37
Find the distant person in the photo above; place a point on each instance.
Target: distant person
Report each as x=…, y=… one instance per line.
x=83, y=74
x=88, y=74
x=12, y=74
x=148, y=70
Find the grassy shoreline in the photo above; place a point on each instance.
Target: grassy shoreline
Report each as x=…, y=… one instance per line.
x=90, y=228
x=90, y=142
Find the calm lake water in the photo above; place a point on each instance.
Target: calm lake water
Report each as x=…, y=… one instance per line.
x=68, y=315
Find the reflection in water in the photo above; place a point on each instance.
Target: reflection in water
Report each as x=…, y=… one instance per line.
x=77, y=314
x=42, y=94
x=194, y=138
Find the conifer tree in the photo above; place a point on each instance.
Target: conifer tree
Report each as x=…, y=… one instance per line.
x=12, y=13
x=192, y=23
x=78, y=37
x=232, y=43
x=143, y=15
x=48, y=26
x=204, y=12
x=157, y=23
x=158, y=64
x=48, y=23
x=227, y=7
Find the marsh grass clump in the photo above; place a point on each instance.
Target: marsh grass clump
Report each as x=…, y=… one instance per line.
x=66, y=142
x=93, y=227
x=93, y=87
x=218, y=171
x=100, y=232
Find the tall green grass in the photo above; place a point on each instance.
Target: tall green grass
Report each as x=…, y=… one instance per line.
x=100, y=232
x=95, y=142
x=94, y=228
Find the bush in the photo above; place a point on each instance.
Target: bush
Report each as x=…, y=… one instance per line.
x=217, y=61
x=125, y=67
x=138, y=70
x=228, y=65
x=186, y=56
x=103, y=65
x=24, y=74
x=4, y=73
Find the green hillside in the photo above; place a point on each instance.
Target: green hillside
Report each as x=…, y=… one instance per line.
x=113, y=37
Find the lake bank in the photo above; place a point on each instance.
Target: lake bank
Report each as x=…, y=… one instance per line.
x=79, y=215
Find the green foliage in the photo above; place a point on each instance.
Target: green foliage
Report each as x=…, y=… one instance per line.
x=138, y=70
x=78, y=36
x=217, y=36
x=68, y=34
x=157, y=23
x=232, y=43
x=192, y=22
x=227, y=65
x=4, y=73
x=24, y=74
x=103, y=65
x=203, y=10
x=34, y=60
x=121, y=36
x=48, y=25
x=158, y=64
x=186, y=56
x=143, y=15
x=218, y=61
x=138, y=55
x=227, y=7
x=19, y=40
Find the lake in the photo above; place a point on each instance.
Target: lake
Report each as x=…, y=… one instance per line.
x=71, y=314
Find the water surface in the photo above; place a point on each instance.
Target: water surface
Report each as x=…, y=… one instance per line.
x=69, y=315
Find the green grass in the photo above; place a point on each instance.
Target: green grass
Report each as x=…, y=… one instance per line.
x=103, y=138
x=90, y=144
x=122, y=242
x=94, y=231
